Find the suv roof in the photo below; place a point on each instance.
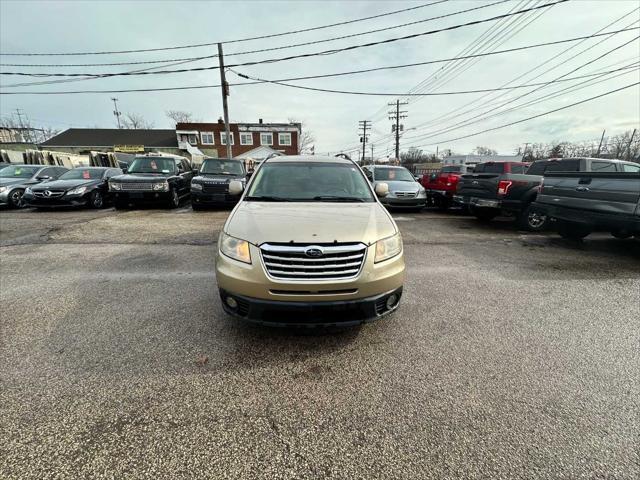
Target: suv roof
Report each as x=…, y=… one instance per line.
x=308, y=158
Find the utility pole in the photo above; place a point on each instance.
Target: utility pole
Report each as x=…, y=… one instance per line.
x=397, y=115
x=629, y=145
x=116, y=112
x=372, y=162
x=225, y=94
x=26, y=135
x=364, y=125
x=600, y=146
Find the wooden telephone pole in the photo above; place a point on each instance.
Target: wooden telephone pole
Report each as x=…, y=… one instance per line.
x=397, y=115
x=225, y=94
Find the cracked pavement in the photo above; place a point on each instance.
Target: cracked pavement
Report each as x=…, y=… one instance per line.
x=513, y=355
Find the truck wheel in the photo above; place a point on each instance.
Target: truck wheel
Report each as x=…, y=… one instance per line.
x=531, y=220
x=484, y=215
x=621, y=234
x=573, y=232
x=174, y=201
x=15, y=198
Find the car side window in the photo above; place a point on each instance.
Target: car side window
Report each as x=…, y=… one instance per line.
x=61, y=171
x=48, y=172
x=630, y=168
x=517, y=168
x=603, y=166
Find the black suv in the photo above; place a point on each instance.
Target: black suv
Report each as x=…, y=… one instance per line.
x=153, y=179
x=211, y=185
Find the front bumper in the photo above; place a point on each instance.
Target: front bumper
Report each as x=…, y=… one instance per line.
x=592, y=220
x=64, y=201
x=304, y=314
x=140, y=197
x=413, y=202
x=4, y=198
x=251, y=281
x=199, y=198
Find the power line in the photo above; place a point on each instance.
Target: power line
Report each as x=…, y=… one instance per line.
x=534, y=116
x=291, y=57
x=328, y=75
x=204, y=57
x=195, y=45
x=257, y=80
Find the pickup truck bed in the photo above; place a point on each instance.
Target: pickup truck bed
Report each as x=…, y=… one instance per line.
x=582, y=202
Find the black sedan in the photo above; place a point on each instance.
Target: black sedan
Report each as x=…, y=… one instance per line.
x=79, y=187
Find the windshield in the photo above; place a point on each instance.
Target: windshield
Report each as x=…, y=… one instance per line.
x=82, y=173
x=309, y=182
x=158, y=165
x=222, y=167
x=18, y=171
x=393, y=174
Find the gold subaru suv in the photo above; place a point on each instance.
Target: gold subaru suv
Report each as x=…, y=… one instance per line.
x=309, y=244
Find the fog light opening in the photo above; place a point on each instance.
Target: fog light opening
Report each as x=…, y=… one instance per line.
x=392, y=301
x=231, y=302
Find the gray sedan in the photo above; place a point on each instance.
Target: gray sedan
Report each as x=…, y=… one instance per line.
x=15, y=178
x=404, y=190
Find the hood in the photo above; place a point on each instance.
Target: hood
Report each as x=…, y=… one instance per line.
x=141, y=177
x=395, y=186
x=65, y=184
x=12, y=181
x=309, y=222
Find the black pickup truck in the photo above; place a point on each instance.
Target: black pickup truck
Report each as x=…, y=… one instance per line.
x=583, y=202
x=500, y=188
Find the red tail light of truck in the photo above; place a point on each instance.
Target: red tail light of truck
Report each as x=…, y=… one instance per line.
x=503, y=187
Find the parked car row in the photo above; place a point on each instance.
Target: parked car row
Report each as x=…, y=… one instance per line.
x=158, y=180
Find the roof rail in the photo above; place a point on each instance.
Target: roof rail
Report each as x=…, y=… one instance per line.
x=343, y=155
x=271, y=155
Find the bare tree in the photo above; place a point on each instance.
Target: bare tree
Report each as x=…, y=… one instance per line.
x=181, y=116
x=26, y=131
x=135, y=121
x=307, y=139
x=415, y=155
x=484, y=151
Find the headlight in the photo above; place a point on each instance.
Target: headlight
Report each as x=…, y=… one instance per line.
x=196, y=186
x=115, y=186
x=422, y=193
x=388, y=247
x=234, y=248
x=77, y=191
x=163, y=187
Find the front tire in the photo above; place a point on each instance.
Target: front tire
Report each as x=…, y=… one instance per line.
x=96, y=200
x=533, y=221
x=15, y=198
x=174, y=201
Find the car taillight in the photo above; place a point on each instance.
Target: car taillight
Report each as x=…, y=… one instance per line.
x=503, y=187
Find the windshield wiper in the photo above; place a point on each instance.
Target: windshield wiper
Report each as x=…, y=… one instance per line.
x=335, y=198
x=266, y=198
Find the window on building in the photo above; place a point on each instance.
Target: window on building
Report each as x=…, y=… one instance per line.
x=246, y=138
x=206, y=138
x=189, y=137
x=266, y=138
x=223, y=138
x=284, y=138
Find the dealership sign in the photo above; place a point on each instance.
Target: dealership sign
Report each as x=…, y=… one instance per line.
x=128, y=148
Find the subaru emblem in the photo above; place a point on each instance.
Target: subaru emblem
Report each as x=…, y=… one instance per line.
x=314, y=252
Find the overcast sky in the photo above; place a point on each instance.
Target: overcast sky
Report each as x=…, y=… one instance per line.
x=57, y=26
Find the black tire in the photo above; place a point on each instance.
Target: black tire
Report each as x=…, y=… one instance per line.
x=621, y=234
x=96, y=199
x=533, y=221
x=174, y=200
x=15, y=198
x=573, y=232
x=485, y=215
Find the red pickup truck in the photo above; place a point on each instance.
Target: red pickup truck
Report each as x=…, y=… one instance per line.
x=442, y=186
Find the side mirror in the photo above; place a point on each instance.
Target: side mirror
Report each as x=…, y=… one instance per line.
x=43, y=177
x=417, y=177
x=433, y=176
x=236, y=187
x=382, y=189
x=195, y=171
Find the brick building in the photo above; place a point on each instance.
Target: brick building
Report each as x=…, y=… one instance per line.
x=248, y=140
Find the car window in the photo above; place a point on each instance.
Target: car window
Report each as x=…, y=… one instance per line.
x=18, y=171
x=50, y=172
x=451, y=169
x=82, y=174
x=222, y=167
x=570, y=165
x=517, y=168
x=161, y=165
x=603, y=166
x=397, y=174
x=489, y=168
x=630, y=168
x=309, y=182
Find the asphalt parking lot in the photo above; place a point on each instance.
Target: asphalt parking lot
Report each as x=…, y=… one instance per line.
x=513, y=355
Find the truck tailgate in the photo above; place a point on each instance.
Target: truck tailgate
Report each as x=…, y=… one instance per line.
x=481, y=185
